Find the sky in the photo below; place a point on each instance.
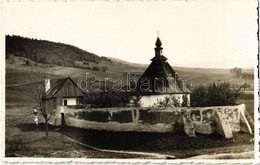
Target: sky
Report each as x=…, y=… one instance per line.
x=194, y=33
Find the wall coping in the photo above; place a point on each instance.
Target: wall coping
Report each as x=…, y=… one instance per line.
x=168, y=109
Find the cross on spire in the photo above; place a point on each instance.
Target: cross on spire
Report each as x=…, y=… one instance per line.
x=158, y=32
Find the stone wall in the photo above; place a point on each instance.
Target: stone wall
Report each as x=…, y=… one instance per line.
x=223, y=120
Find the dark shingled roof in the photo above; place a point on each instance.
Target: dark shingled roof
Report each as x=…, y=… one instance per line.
x=161, y=76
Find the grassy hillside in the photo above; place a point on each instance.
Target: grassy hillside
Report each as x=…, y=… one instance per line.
x=118, y=70
x=47, y=52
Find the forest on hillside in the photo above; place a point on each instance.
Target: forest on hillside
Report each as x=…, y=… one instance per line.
x=42, y=51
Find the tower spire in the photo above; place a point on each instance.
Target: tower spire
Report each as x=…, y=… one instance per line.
x=158, y=50
x=158, y=44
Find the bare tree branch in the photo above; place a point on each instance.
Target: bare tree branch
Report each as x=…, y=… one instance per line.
x=38, y=77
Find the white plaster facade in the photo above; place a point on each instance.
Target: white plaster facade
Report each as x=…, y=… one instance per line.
x=70, y=101
x=150, y=100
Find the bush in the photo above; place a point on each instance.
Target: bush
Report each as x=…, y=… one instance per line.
x=59, y=63
x=168, y=102
x=86, y=63
x=185, y=101
x=9, y=56
x=95, y=68
x=199, y=96
x=108, y=99
x=136, y=101
x=216, y=94
x=28, y=63
x=104, y=68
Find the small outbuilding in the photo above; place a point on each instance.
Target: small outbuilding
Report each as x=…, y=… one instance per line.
x=62, y=92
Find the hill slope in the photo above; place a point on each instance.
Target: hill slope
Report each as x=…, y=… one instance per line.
x=42, y=51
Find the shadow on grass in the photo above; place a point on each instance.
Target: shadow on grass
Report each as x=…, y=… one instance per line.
x=153, y=142
x=111, y=139
x=144, y=141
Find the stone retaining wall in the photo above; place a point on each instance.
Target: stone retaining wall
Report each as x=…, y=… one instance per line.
x=223, y=120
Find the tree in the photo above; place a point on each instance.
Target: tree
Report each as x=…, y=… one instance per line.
x=237, y=72
x=38, y=76
x=216, y=94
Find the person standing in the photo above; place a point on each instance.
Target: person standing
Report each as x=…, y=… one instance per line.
x=36, y=120
x=62, y=117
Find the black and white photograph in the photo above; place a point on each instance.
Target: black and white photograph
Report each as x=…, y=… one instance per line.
x=158, y=80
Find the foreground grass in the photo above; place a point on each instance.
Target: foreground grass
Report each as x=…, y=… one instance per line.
x=179, y=145
x=23, y=141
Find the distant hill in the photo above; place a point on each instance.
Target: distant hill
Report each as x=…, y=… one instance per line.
x=177, y=68
x=128, y=63
x=202, y=70
x=48, y=52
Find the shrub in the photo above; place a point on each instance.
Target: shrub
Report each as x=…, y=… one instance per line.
x=9, y=56
x=28, y=63
x=216, y=94
x=104, y=68
x=185, y=101
x=86, y=63
x=108, y=99
x=168, y=102
x=59, y=63
x=136, y=101
x=95, y=68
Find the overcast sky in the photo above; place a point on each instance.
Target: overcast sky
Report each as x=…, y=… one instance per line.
x=194, y=33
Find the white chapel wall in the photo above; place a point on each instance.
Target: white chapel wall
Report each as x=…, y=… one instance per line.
x=148, y=101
